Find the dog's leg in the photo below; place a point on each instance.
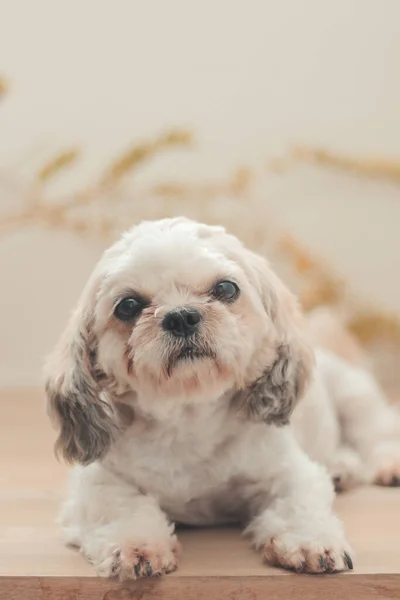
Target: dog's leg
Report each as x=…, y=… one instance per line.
x=122, y=532
x=369, y=424
x=293, y=520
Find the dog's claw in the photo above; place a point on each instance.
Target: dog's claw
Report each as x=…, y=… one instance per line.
x=137, y=570
x=148, y=569
x=322, y=563
x=337, y=483
x=301, y=568
x=395, y=482
x=115, y=563
x=348, y=561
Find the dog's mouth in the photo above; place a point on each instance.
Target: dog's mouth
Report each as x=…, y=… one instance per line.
x=190, y=352
x=193, y=353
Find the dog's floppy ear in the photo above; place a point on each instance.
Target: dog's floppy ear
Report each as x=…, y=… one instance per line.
x=272, y=397
x=73, y=387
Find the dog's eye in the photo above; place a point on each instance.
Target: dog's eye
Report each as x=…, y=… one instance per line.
x=128, y=309
x=226, y=290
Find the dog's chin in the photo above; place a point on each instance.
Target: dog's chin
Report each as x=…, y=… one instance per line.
x=189, y=356
x=192, y=371
x=192, y=379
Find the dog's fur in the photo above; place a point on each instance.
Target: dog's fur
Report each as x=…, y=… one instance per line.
x=205, y=439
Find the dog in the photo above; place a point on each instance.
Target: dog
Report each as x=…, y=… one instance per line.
x=187, y=390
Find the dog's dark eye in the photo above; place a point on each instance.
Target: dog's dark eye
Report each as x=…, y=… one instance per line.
x=226, y=290
x=128, y=309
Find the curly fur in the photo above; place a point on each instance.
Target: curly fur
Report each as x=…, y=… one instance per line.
x=185, y=430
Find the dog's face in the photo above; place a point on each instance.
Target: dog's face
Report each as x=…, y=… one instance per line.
x=177, y=315
x=176, y=312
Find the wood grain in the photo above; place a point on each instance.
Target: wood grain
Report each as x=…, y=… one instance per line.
x=329, y=587
x=216, y=563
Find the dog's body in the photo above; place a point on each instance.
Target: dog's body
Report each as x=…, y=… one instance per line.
x=349, y=426
x=174, y=385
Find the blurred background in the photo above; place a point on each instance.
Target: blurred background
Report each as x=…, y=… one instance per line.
x=279, y=119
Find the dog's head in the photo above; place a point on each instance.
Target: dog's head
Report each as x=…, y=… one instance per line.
x=176, y=311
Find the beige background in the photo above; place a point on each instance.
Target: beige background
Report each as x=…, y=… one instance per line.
x=250, y=78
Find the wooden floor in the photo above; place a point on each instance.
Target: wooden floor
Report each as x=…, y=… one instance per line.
x=34, y=563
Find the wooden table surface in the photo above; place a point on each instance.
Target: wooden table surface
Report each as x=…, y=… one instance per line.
x=35, y=564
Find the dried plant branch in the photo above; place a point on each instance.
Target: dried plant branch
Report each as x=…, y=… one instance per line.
x=58, y=213
x=58, y=163
x=382, y=168
x=370, y=167
x=3, y=87
x=371, y=325
x=136, y=155
x=324, y=287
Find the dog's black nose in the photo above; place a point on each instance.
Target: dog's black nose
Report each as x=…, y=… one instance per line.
x=182, y=322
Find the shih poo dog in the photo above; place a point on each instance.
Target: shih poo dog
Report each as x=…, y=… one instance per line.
x=187, y=389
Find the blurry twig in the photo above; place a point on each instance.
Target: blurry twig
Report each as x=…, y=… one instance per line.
x=59, y=162
x=381, y=168
x=370, y=325
x=58, y=214
x=370, y=167
x=135, y=156
x=323, y=287
x=3, y=87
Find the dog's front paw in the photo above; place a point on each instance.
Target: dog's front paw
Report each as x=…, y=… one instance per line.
x=141, y=560
x=312, y=556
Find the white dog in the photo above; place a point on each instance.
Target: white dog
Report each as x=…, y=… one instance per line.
x=173, y=386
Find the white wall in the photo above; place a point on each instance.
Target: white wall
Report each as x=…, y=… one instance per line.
x=249, y=77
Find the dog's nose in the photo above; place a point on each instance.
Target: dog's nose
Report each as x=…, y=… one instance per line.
x=182, y=322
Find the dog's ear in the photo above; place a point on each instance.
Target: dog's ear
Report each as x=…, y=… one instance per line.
x=273, y=396
x=73, y=386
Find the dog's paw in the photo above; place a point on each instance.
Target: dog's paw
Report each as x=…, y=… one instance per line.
x=308, y=557
x=347, y=470
x=389, y=477
x=141, y=560
x=387, y=461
